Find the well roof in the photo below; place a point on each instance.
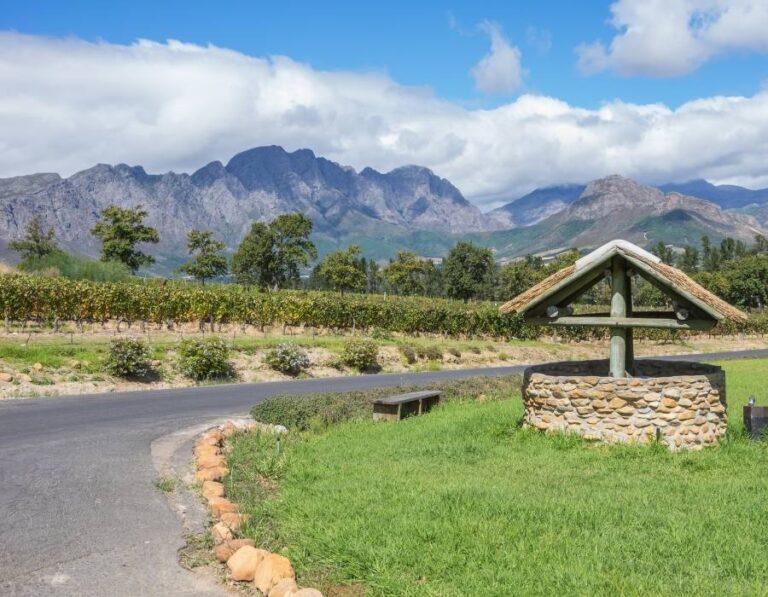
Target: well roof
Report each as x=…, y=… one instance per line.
x=670, y=277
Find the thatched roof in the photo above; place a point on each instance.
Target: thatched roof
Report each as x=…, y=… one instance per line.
x=672, y=279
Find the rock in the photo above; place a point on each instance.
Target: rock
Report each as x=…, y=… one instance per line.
x=75, y=364
x=211, y=461
x=225, y=550
x=212, y=489
x=272, y=569
x=37, y=367
x=155, y=364
x=203, y=450
x=684, y=402
x=211, y=474
x=221, y=532
x=668, y=403
x=306, y=593
x=685, y=415
x=221, y=505
x=671, y=393
x=23, y=377
x=626, y=410
x=212, y=437
x=7, y=377
x=616, y=403
x=244, y=562
x=285, y=588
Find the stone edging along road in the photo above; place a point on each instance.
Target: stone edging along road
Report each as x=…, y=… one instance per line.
x=270, y=573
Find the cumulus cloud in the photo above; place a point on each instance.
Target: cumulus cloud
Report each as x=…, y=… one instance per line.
x=500, y=70
x=667, y=38
x=67, y=104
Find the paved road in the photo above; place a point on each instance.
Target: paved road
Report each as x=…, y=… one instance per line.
x=79, y=514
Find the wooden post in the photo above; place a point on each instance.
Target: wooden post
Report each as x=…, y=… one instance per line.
x=629, y=365
x=618, y=309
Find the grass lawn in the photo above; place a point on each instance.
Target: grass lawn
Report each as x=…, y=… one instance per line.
x=464, y=502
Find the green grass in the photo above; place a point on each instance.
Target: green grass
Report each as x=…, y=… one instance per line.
x=166, y=484
x=463, y=501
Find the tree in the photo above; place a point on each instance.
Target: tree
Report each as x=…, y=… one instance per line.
x=520, y=275
x=663, y=252
x=468, y=271
x=36, y=243
x=407, y=274
x=271, y=254
x=711, y=255
x=761, y=245
x=689, y=260
x=120, y=230
x=748, y=281
x=342, y=270
x=208, y=261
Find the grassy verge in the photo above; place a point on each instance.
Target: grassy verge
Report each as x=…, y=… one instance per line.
x=463, y=501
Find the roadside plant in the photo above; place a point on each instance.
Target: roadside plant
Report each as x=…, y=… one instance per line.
x=205, y=358
x=431, y=353
x=409, y=354
x=455, y=352
x=288, y=358
x=128, y=357
x=361, y=355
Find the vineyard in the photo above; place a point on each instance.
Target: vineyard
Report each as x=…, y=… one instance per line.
x=51, y=301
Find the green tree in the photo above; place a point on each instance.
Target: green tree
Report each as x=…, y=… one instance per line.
x=468, y=271
x=689, y=260
x=37, y=243
x=341, y=270
x=710, y=255
x=271, y=255
x=406, y=274
x=748, y=281
x=120, y=230
x=520, y=275
x=208, y=262
x=663, y=252
x=760, y=247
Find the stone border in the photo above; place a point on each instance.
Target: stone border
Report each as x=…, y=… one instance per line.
x=270, y=573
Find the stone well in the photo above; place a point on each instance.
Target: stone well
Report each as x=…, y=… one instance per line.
x=681, y=403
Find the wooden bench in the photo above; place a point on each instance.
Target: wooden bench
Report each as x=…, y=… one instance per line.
x=401, y=406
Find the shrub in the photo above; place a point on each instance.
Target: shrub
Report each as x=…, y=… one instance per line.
x=454, y=351
x=431, y=353
x=317, y=411
x=491, y=348
x=381, y=334
x=360, y=354
x=475, y=349
x=128, y=357
x=288, y=358
x=409, y=354
x=205, y=358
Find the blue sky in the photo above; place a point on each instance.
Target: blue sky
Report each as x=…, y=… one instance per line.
x=498, y=97
x=417, y=43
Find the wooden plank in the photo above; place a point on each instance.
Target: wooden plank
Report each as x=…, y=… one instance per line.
x=625, y=322
x=630, y=338
x=409, y=397
x=618, y=310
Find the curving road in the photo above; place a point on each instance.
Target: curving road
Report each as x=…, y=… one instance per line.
x=78, y=508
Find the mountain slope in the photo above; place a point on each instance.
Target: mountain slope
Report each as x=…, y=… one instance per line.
x=536, y=206
x=255, y=185
x=726, y=196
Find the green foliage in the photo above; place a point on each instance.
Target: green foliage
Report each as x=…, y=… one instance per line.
x=360, y=354
x=747, y=280
x=300, y=412
x=342, y=270
x=37, y=243
x=664, y=252
x=430, y=352
x=407, y=274
x=128, y=357
x=120, y=230
x=287, y=358
x=454, y=351
x=207, y=262
x=408, y=352
x=73, y=267
x=205, y=358
x=271, y=254
x=468, y=271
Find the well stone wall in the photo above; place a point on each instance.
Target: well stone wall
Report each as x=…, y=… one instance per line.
x=680, y=403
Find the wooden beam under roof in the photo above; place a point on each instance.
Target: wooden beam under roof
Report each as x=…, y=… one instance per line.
x=592, y=320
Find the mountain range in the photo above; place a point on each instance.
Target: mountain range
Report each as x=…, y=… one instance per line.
x=408, y=207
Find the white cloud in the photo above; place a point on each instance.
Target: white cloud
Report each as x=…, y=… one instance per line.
x=68, y=104
x=668, y=38
x=500, y=70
